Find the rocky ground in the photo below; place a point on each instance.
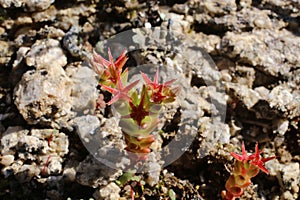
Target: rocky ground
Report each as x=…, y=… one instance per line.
x=238, y=66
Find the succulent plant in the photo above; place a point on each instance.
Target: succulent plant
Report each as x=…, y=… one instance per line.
x=245, y=168
x=139, y=111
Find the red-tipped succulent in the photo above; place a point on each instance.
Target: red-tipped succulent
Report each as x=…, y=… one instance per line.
x=139, y=111
x=244, y=169
x=109, y=71
x=160, y=93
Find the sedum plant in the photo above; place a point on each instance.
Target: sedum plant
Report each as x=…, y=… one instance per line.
x=245, y=168
x=139, y=109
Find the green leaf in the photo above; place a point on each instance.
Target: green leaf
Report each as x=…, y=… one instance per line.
x=172, y=194
x=135, y=178
x=124, y=178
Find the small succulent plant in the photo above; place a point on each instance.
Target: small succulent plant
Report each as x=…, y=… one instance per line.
x=245, y=168
x=139, y=109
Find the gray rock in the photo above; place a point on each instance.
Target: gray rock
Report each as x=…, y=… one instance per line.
x=108, y=192
x=284, y=100
x=70, y=17
x=273, y=52
x=48, y=15
x=91, y=172
x=54, y=165
x=57, y=142
x=214, y=7
x=30, y=5
x=291, y=175
x=6, y=51
x=73, y=43
x=242, y=92
x=43, y=97
x=84, y=91
x=212, y=134
x=153, y=168
x=289, y=178
x=42, y=148
x=45, y=54
x=86, y=126
x=10, y=138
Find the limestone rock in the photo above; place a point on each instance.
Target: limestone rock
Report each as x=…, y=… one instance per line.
x=44, y=96
x=30, y=5
x=108, y=192
x=45, y=54
x=84, y=91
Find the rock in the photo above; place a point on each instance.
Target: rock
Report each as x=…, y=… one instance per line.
x=212, y=133
x=10, y=138
x=180, y=8
x=54, y=165
x=284, y=100
x=57, y=142
x=22, y=51
x=244, y=76
x=214, y=7
x=280, y=126
x=45, y=54
x=38, y=5
x=7, y=160
x=86, y=126
x=51, y=32
x=70, y=16
x=43, y=96
x=94, y=174
x=72, y=42
x=69, y=174
x=6, y=51
x=42, y=148
x=275, y=54
x=48, y=15
x=8, y=3
x=291, y=177
x=29, y=5
x=27, y=172
x=153, y=168
x=25, y=36
x=248, y=96
x=30, y=145
x=84, y=91
x=108, y=192
x=23, y=20
x=178, y=23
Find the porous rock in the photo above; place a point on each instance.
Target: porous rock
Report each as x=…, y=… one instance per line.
x=30, y=5
x=108, y=192
x=92, y=173
x=283, y=99
x=213, y=7
x=44, y=96
x=273, y=52
x=45, y=54
x=41, y=149
x=212, y=133
x=84, y=91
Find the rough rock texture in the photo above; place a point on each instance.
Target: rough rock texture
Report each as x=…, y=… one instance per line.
x=45, y=54
x=84, y=92
x=43, y=96
x=28, y=5
x=42, y=149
